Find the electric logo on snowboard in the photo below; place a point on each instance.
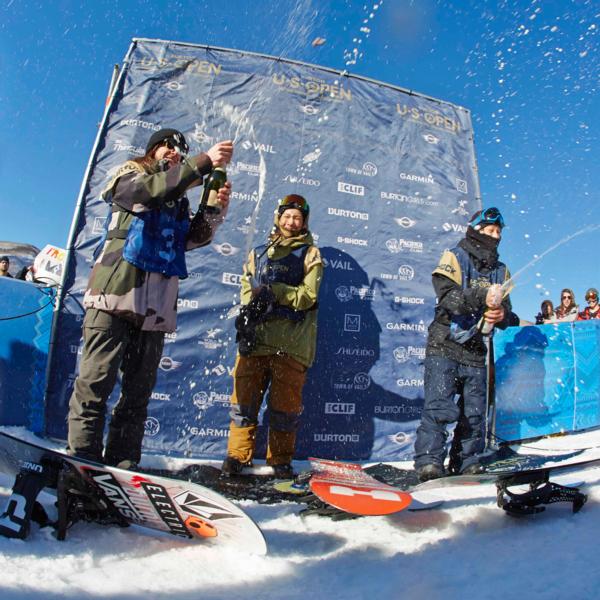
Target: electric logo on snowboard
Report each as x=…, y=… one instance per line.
x=165, y=508
x=195, y=505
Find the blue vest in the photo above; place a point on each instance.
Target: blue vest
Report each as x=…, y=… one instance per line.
x=464, y=327
x=156, y=239
x=288, y=270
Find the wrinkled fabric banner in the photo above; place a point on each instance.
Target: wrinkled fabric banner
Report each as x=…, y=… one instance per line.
x=391, y=179
x=547, y=379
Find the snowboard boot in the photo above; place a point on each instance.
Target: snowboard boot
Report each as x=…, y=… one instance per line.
x=473, y=469
x=430, y=471
x=283, y=471
x=233, y=466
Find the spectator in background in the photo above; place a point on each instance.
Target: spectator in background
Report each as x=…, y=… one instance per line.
x=592, y=311
x=546, y=314
x=4, y=264
x=567, y=310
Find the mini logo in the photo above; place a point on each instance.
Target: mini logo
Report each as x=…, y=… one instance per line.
x=309, y=109
x=351, y=322
x=174, y=86
x=226, y=249
x=350, y=188
x=415, y=327
x=402, y=439
x=168, y=364
x=405, y=222
x=430, y=138
x=151, y=426
x=340, y=408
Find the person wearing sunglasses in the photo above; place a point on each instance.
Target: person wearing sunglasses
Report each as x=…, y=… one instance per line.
x=592, y=310
x=277, y=336
x=567, y=310
x=471, y=286
x=131, y=298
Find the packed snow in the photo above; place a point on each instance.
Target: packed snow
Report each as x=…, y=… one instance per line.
x=462, y=549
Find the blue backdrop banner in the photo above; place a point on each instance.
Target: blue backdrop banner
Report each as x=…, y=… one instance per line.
x=391, y=179
x=547, y=379
x=25, y=323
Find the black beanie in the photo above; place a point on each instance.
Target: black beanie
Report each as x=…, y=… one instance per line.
x=4, y=258
x=164, y=134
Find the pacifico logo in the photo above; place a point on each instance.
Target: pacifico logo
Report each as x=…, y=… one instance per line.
x=400, y=245
x=346, y=293
x=403, y=354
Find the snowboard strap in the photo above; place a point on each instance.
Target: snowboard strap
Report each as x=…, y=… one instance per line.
x=540, y=493
x=22, y=506
x=79, y=500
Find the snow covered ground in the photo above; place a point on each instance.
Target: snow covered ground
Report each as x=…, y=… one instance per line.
x=466, y=549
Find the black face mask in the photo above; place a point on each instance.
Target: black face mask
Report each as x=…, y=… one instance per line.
x=483, y=247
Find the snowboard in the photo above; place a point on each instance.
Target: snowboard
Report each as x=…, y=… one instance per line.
x=370, y=491
x=162, y=504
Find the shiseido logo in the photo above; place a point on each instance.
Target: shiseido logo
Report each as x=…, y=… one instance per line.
x=350, y=188
x=302, y=180
x=354, y=351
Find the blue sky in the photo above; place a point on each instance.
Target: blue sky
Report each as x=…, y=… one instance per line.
x=527, y=70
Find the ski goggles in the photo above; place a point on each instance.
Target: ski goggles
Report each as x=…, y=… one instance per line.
x=294, y=201
x=176, y=143
x=489, y=216
x=591, y=297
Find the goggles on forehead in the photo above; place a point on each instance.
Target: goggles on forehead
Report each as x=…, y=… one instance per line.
x=489, y=216
x=294, y=201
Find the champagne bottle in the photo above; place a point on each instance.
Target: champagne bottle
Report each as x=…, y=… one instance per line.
x=493, y=300
x=215, y=181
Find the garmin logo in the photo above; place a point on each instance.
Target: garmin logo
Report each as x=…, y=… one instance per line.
x=415, y=327
x=400, y=245
x=209, y=432
x=245, y=197
x=183, y=303
x=340, y=408
x=231, y=279
x=343, y=438
x=350, y=188
x=352, y=241
x=349, y=214
x=410, y=382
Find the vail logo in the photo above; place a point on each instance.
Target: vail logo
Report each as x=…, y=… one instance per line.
x=454, y=227
x=342, y=265
x=258, y=147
